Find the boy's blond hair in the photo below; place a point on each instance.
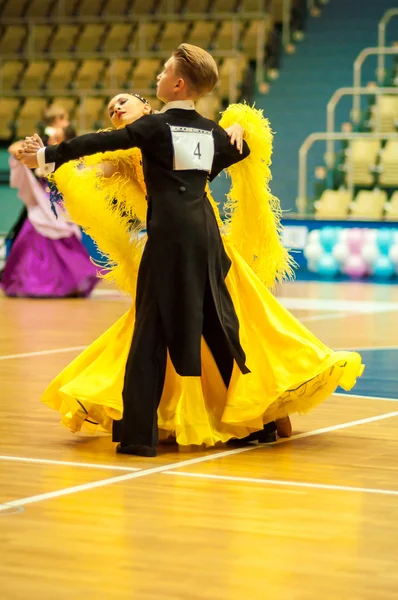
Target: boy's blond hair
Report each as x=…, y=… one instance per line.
x=53, y=112
x=198, y=67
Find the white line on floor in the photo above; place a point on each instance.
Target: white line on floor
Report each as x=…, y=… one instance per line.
x=184, y=463
x=300, y=436
x=361, y=349
x=67, y=463
x=80, y=348
x=42, y=352
x=355, y=306
x=364, y=397
x=339, y=315
x=278, y=482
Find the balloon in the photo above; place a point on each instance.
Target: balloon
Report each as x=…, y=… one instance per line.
x=343, y=233
x=355, y=240
x=393, y=254
x=383, y=267
x=370, y=253
x=385, y=239
x=313, y=251
x=313, y=236
x=328, y=238
x=370, y=235
x=341, y=252
x=312, y=265
x=327, y=265
x=355, y=266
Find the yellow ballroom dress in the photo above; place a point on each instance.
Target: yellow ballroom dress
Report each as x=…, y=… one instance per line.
x=291, y=370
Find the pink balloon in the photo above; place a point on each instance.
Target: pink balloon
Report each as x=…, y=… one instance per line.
x=355, y=240
x=355, y=266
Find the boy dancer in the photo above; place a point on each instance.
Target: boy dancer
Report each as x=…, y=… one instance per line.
x=181, y=291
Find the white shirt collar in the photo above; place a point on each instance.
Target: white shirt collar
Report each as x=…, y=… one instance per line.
x=183, y=104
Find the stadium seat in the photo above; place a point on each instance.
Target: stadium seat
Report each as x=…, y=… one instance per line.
x=388, y=107
x=118, y=75
x=90, y=7
x=391, y=208
x=34, y=76
x=13, y=9
x=173, y=35
x=60, y=76
x=224, y=6
x=256, y=5
x=196, y=6
x=65, y=38
x=231, y=71
x=117, y=37
x=38, y=8
x=202, y=33
x=146, y=37
x=89, y=113
x=12, y=39
x=333, y=204
x=209, y=106
x=389, y=165
x=249, y=40
x=228, y=35
x=89, y=74
x=144, y=74
x=67, y=102
x=30, y=116
x=40, y=38
x=90, y=38
x=363, y=154
x=8, y=109
x=116, y=8
x=10, y=72
x=369, y=204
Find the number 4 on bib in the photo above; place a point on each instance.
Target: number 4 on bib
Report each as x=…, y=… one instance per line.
x=197, y=151
x=193, y=148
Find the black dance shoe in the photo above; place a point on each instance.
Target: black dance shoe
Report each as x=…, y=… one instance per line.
x=136, y=450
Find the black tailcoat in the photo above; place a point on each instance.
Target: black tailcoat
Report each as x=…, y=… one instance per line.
x=184, y=250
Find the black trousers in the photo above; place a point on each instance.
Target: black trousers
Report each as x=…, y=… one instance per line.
x=146, y=363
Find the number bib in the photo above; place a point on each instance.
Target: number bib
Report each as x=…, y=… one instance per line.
x=193, y=148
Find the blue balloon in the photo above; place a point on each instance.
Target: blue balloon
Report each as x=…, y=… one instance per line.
x=385, y=239
x=383, y=267
x=328, y=238
x=327, y=265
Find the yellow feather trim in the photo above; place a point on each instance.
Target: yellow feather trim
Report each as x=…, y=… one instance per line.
x=112, y=210
x=253, y=213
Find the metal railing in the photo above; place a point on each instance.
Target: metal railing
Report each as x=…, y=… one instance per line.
x=302, y=200
x=331, y=111
x=357, y=77
x=381, y=41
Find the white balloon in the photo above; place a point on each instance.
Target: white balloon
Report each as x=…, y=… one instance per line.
x=313, y=251
x=343, y=234
x=393, y=254
x=340, y=252
x=312, y=265
x=313, y=236
x=370, y=253
x=370, y=235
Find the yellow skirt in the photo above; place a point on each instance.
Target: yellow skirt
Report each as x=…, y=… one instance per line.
x=291, y=372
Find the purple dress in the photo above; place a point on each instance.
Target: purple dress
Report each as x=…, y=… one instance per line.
x=48, y=258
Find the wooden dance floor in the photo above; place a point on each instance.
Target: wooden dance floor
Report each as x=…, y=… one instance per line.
x=313, y=517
